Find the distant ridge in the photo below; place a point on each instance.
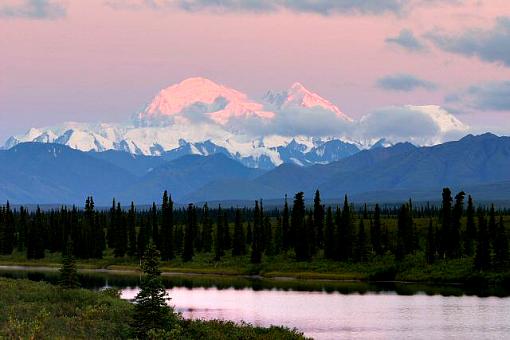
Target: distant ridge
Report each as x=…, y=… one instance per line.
x=41, y=173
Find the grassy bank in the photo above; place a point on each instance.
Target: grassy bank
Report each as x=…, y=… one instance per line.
x=412, y=269
x=37, y=310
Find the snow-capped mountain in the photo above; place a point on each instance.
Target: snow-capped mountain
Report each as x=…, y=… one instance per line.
x=199, y=116
x=298, y=97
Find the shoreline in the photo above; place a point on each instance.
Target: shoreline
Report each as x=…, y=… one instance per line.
x=288, y=278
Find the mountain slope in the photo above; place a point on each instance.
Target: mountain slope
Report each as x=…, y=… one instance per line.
x=54, y=173
x=185, y=175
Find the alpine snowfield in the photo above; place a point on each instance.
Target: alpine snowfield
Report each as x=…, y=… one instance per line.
x=199, y=116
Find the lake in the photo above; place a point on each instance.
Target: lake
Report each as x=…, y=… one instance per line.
x=324, y=309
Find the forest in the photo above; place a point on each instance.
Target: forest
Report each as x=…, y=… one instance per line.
x=455, y=241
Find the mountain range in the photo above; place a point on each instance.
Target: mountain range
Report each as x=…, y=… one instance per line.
x=200, y=117
x=55, y=173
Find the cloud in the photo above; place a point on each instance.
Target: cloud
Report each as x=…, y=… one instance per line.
x=406, y=40
x=322, y=7
x=490, y=45
x=32, y=9
x=429, y=124
x=296, y=121
x=404, y=82
x=492, y=96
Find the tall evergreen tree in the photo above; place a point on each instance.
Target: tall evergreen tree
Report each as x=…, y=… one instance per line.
x=239, y=244
x=68, y=270
x=318, y=218
x=227, y=240
x=206, y=230
x=375, y=231
x=131, y=227
x=286, y=232
x=470, y=232
x=219, y=250
x=455, y=249
x=256, y=251
x=361, y=244
x=345, y=233
x=35, y=237
x=249, y=234
x=7, y=231
x=446, y=224
x=187, y=253
x=151, y=310
x=167, y=228
x=329, y=236
x=111, y=231
x=22, y=227
x=301, y=246
x=155, y=225
x=492, y=226
x=404, y=233
x=482, y=256
x=500, y=245
x=121, y=237
x=430, y=249
x=142, y=239
x=278, y=236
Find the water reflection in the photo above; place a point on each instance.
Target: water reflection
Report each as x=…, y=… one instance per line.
x=98, y=280
x=324, y=309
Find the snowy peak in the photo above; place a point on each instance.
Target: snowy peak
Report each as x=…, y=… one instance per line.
x=299, y=97
x=444, y=120
x=195, y=96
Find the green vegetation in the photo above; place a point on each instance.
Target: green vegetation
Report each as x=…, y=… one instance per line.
x=37, y=310
x=430, y=244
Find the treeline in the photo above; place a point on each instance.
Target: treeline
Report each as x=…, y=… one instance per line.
x=340, y=233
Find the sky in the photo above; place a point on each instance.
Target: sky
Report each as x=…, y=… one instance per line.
x=103, y=60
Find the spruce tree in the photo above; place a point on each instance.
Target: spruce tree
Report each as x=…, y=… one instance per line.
x=286, y=233
x=430, y=250
x=219, y=236
x=404, y=233
x=455, y=249
x=151, y=310
x=35, y=237
x=7, y=231
x=298, y=225
x=375, y=231
x=22, y=227
x=68, y=270
x=239, y=244
x=142, y=239
x=249, y=234
x=482, y=256
x=187, y=252
x=111, y=231
x=256, y=251
x=206, y=230
x=345, y=233
x=131, y=227
x=121, y=237
x=446, y=224
x=278, y=235
x=268, y=236
x=318, y=218
x=227, y=240
x=155, y=225
x=491, y=227
x=361, y=245
x=470, y=232
x=167, y=228
x=500, y=246
x=329, y=236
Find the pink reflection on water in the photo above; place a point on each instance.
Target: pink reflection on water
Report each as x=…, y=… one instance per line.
x=333, y=316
